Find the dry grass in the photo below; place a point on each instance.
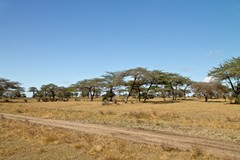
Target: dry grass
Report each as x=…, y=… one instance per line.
x=216, y=120
x=22, y=140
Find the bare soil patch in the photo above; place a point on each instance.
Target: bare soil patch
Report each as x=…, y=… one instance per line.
x=30, y=141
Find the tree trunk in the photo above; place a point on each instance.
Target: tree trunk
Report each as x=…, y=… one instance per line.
x=53, y=96
x=184, y=95
x=206, y=98
x=237, y=94
x=184, y=92
x=92, y=96
x=89, y=93
x=173, y=95
x=126, y=99
x=146, y=96
x=173, y=92
x=232, y=85
x=139, y=95
x=111, y=94
x=130, y=92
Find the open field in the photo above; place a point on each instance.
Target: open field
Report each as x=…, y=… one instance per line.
x=23, y=140
x=213, y=120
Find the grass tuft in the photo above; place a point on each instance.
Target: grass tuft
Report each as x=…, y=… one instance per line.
x=168, y=147
x=198, y=151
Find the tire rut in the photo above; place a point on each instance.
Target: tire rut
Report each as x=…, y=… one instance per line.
x=220, y=148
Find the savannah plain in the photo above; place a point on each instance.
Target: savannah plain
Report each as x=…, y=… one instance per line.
x=119, y=80
x=213, y=120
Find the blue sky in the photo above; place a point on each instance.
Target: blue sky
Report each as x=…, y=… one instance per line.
x=64, y=41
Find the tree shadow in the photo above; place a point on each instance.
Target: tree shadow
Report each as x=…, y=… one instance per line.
x=188, y=99
x=218, y=102
x=13, y=101
x=163, y=102
x=7, y=101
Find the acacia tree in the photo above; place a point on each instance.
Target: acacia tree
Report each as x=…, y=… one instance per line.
x=153, y=79
x=17, y=93
x=93, y=86
x=208, y=89
x=184, y=86
x=73, y=90
x=137, y=79
x=112, y=80
x=137, y=88
x=163, y=91
x=229, y=71
x=64, y=93
x=49, y=90
x=9, y=88
x=202, y=89
x=34, y=91
x=171, y=81
x=175, y=82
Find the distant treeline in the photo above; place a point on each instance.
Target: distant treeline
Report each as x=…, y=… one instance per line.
x=139, y=83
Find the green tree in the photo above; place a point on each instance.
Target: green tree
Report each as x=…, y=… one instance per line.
x=8, y=88
x=184, y=86
x=91, y=86
x=49, y=91
x=34, y=91
x=175, y=83
x=17, y=93
x=112, y=81
x=136, y=78
x=229, y=72
x=153, y=79
x=73, y=90
x=208, y=89
x=64, y=93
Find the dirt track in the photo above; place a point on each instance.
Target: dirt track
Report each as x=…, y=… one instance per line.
x=223, y=149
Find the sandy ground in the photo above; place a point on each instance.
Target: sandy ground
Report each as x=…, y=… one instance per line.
x=216, y=147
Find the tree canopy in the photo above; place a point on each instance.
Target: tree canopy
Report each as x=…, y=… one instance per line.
x=139, y=83
x=229, y=71
x=10, y=89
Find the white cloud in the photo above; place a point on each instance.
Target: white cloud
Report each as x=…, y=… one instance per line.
x=211, y=53
x=214, y=53
x=208, y=79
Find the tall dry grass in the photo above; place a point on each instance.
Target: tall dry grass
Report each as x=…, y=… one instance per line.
x=216, y=120
x=22, y=140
